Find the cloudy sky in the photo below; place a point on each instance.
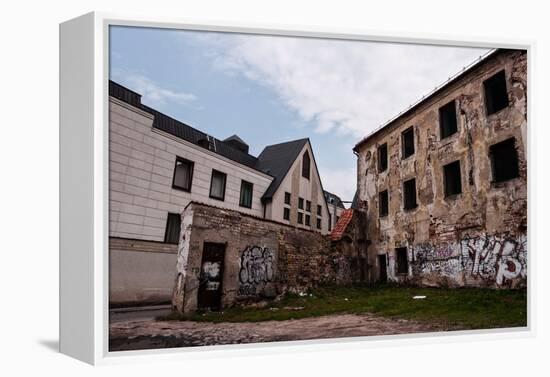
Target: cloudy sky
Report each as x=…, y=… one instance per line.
x=271, y=89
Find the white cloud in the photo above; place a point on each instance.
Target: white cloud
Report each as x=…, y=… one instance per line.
x=345, y=86
x=152, y=93
x=341, y=182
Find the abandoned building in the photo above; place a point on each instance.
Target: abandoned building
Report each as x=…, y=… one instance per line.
x=159, y=165
x=444, y=183
x=336, y=208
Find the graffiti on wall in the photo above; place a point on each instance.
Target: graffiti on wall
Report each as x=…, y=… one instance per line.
x=257, y=266
x=494, y=258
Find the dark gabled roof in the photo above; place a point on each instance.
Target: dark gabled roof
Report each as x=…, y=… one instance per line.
x=276, y=160
x=181, y=130
x=329, y=195
x=355, y=201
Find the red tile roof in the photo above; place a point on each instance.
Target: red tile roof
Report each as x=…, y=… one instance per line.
x=341, y=225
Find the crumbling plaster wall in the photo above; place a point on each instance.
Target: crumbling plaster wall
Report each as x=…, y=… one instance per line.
x=493, y=214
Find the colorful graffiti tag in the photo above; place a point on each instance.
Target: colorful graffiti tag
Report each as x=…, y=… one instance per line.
x=256, y=269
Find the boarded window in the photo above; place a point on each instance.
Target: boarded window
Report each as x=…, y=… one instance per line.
x=301, y=203
x=308, y=206
x=286, y=213
x=306, y=165
x=319, y=211
x=407, y=142
x=504, y=160
x=172, y=233
x=383, y=203
x=409, y=194
x=382, y=158
x=247, y=189
x=217, y=185
x=300, y=218
x=318, y=223
x=183, y=174
x=402, y=260
x=287, y=197
x=452, y=178
x=496, y=95
x=447, y=120
x=308, y=220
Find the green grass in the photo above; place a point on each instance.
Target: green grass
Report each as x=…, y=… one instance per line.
x=467, y=308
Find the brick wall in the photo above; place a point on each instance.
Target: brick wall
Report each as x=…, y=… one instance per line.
x=263, y=258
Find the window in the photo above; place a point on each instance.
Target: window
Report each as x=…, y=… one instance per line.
x=337, y=219
x=301, y=203
x=451, y=178
x=409, y=194
x=447, y=120
x=402, y=260
x=217, y=185
x=383, y=203
x=246, y=194
x=308, y=220
x=329, y=222
x=318, y=223
x=172, y=233
x=407, y=143
x=286, y=213
x=382, y=158
x=496, y=96
x=300, y=218
x=319, y=211
x=305, y=165
x=183, y=174
x=308, y=206
x=287, y=197
x=504, y=160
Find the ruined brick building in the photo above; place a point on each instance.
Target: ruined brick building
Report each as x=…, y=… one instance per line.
x=444, y=183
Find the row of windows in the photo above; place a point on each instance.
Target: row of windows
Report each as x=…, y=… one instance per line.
x=302, y=215
x=496, y=99
x=504, y=164
x=183, y=179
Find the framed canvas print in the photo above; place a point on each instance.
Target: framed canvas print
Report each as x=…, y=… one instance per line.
x=225, y=186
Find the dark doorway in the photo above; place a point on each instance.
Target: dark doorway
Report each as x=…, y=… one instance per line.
x=211, y=277
x=383, y=273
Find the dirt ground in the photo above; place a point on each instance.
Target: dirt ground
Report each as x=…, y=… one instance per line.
x=148, y=334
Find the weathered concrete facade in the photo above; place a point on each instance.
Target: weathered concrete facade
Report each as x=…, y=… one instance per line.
x=477, y=236
x=262, y=258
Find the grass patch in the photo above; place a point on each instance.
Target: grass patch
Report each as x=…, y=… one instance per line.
x=468, y=308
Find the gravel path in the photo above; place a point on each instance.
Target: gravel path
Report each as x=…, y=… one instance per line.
x=147, y=334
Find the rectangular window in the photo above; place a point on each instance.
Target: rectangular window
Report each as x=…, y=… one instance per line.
x=383, y=203
x=382, y=158
x=451, y=178
x=329, y=222
x=407, y=143
x=402, y=260
x=172, y=233
x=409, y=194
x=318, y=223
x=308, y=220
x=287, y=197
x=308, y=206
x=286, y=213
x=300, y=218
x=247, y=189
x=301, y=203
x=496, y=95
x=183, y=174
x=447, y=120
x=504, y=160
x=319, y=210
x=217, y=185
